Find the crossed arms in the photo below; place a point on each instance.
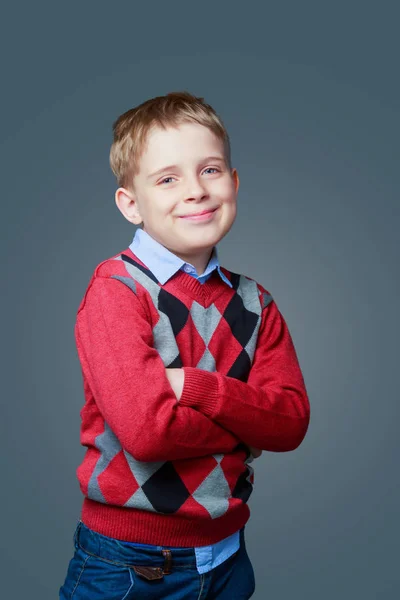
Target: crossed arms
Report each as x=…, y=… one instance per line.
x=176, y=378
x=137, y=397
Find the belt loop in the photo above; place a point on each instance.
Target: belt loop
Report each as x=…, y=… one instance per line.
x=167, y=554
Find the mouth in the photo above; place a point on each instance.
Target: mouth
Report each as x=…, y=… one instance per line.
x=204, y=214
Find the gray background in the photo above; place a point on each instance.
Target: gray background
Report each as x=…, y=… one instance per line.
x=309, y=92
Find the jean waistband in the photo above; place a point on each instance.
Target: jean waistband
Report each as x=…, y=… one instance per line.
x=126, y=554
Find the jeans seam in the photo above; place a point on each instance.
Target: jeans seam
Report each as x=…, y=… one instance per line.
x=80, y=575
x=131, y=586
x=202, y=578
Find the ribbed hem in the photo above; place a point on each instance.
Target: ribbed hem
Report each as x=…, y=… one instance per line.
x=200, y=390
x=132, y=525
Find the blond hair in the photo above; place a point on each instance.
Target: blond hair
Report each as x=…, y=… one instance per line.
x=132, y=127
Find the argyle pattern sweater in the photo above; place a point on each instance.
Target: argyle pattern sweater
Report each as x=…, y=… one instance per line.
x=168, y=472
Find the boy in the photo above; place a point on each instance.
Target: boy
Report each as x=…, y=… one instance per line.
x=189, y=372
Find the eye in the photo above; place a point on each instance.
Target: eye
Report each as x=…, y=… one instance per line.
x=165, y=180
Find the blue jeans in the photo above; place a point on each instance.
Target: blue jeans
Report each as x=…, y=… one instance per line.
x=109, y=569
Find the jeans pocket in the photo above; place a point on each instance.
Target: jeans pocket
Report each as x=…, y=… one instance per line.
x=92, y=577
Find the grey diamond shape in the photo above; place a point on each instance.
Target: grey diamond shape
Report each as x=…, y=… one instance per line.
x=164, y=340
x=205, y=319
x=213, y=493
x=252, y=343
x=109, y=446
x=248, y=291
x=142, y=471
x=140, y=500
x=207, y=362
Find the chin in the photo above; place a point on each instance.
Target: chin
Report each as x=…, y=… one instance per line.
x=205, y=239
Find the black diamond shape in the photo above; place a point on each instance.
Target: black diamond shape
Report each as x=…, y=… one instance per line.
x=241, y=367
x=243, y=487
x=166, y=490
x=176, y=311
x=235, y=280
x=241, y=321
x=176, y=363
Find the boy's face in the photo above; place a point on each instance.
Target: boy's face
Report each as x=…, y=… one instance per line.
x=198, y=180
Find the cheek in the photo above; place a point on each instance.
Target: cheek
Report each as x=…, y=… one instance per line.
x=157, y=209
x=227, y=192
x=230, y=202
x=233, y=210
x=163, y=203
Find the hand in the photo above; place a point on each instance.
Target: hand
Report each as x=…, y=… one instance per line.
x=176, y=378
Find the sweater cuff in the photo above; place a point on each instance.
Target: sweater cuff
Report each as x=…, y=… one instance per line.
x=200, y=390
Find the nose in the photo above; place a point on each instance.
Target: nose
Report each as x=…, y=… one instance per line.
x=196, y=190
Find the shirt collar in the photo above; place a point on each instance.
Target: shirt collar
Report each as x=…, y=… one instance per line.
x=163, y=263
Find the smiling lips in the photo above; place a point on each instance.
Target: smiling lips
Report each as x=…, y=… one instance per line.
x=203, y=215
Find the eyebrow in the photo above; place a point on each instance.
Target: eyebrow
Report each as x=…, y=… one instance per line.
x=159, y=171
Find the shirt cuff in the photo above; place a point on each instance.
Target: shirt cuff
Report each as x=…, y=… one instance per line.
x=200, y=390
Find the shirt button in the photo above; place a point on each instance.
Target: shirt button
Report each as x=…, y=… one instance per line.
x=187, y=268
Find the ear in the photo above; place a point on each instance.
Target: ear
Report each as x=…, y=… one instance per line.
x=126, y=202
x=235, y=178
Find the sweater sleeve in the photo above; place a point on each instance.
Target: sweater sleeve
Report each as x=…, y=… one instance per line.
x=127, y=378
x=271, y=410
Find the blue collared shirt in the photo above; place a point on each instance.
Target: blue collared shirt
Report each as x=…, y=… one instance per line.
x=164, y=264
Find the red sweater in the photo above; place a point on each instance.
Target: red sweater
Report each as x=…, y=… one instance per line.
x=167, y=472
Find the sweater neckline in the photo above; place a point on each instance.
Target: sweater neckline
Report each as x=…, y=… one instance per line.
x=204, y=293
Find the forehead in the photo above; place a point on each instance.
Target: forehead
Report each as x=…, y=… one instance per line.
x=180, y=144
